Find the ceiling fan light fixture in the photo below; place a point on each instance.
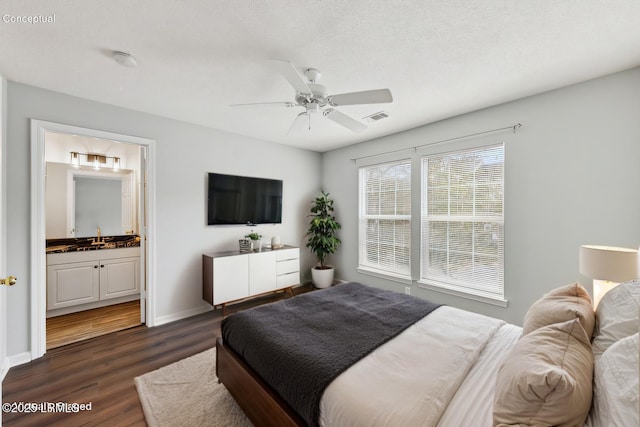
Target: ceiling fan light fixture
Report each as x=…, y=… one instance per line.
x=313, y=75
x=125, y=59
x=312, y=107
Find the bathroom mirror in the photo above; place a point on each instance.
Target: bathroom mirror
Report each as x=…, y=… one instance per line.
x=98, y=204
x=78, y=201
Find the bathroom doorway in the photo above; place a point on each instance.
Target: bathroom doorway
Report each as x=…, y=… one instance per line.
x=90, y=254
x=91, y=202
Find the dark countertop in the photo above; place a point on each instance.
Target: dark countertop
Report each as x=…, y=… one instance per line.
x=87, y=243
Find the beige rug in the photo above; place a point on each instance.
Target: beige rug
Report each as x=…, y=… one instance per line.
x=187, y=393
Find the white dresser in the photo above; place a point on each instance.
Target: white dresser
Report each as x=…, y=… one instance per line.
x=232, y=276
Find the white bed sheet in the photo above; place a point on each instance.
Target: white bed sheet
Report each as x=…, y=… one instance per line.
x=472, y=405
x=410, y=380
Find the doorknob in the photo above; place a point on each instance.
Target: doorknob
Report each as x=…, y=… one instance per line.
x=9, y=281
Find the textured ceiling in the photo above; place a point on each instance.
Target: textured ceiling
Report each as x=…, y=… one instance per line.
x=439, y=58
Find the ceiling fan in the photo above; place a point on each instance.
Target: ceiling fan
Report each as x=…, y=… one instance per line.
x=315, y=99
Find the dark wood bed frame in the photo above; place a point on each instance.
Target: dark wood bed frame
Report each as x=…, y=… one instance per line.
x=262, y=405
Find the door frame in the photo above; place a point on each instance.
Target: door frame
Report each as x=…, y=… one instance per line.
x=38, y=228
x=4, y=363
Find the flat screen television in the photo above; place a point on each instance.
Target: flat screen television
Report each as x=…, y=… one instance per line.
x=236, y=199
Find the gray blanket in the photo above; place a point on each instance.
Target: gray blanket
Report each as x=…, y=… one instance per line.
x=299, y=345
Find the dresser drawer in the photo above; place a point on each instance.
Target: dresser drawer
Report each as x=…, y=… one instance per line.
x=284, y=254
x=288, y=266
x=287, y=280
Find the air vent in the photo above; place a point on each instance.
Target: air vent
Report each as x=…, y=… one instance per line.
x=376, y=117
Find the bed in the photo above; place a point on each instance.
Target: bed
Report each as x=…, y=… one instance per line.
x=448, y=367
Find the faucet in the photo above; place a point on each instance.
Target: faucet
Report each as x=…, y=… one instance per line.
x=97, y=241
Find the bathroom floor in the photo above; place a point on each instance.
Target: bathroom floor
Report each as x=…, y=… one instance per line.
x=63, y=330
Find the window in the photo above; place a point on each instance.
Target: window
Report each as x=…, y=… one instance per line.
x=385, y=219
x=462, y=223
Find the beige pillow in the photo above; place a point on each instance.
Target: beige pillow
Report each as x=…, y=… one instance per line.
x=546, y=379
x=561, y=304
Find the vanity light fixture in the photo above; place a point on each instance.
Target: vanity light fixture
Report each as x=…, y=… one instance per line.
x=75, y=159
x=95, y=160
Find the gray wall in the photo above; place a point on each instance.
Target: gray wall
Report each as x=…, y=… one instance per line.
x=571, y=178
x=185, y=153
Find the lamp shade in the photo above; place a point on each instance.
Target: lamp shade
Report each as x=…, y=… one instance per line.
x=609, y=263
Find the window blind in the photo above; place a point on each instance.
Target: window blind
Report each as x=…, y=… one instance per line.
x=462, y=221
x=385, y=218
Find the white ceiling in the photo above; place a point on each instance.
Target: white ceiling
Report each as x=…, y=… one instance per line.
x=195, y=57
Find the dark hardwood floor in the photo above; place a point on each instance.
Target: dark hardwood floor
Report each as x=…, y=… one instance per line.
x=101, y=370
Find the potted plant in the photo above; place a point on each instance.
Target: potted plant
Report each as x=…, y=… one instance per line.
x=255, y=240
x=322, y=239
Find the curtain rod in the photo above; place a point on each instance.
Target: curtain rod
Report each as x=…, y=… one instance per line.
x=514, y=127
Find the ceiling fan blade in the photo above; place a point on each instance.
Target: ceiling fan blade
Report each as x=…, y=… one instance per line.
x=289, y=72
x=299, y=123
x=376, y=96
x=344, y=120
x=282, y=104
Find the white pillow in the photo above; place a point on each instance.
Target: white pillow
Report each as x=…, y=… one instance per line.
x=616, y=382
x=617, y=316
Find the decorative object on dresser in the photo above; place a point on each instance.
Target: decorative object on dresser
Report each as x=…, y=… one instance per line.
x=275, y=242
x=245, y=245
x=233, y=276
x=256, y=243
x=322, y=239
x=608, y=267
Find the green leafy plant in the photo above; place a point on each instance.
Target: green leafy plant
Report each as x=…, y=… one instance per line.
x=253, y=236
x=321, y=235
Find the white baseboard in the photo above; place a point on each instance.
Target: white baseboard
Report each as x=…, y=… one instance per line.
x=168, y=318
x=18, y=359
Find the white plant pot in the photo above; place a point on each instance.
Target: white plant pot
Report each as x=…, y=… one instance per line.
x=322, y=278
x=256, y=245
